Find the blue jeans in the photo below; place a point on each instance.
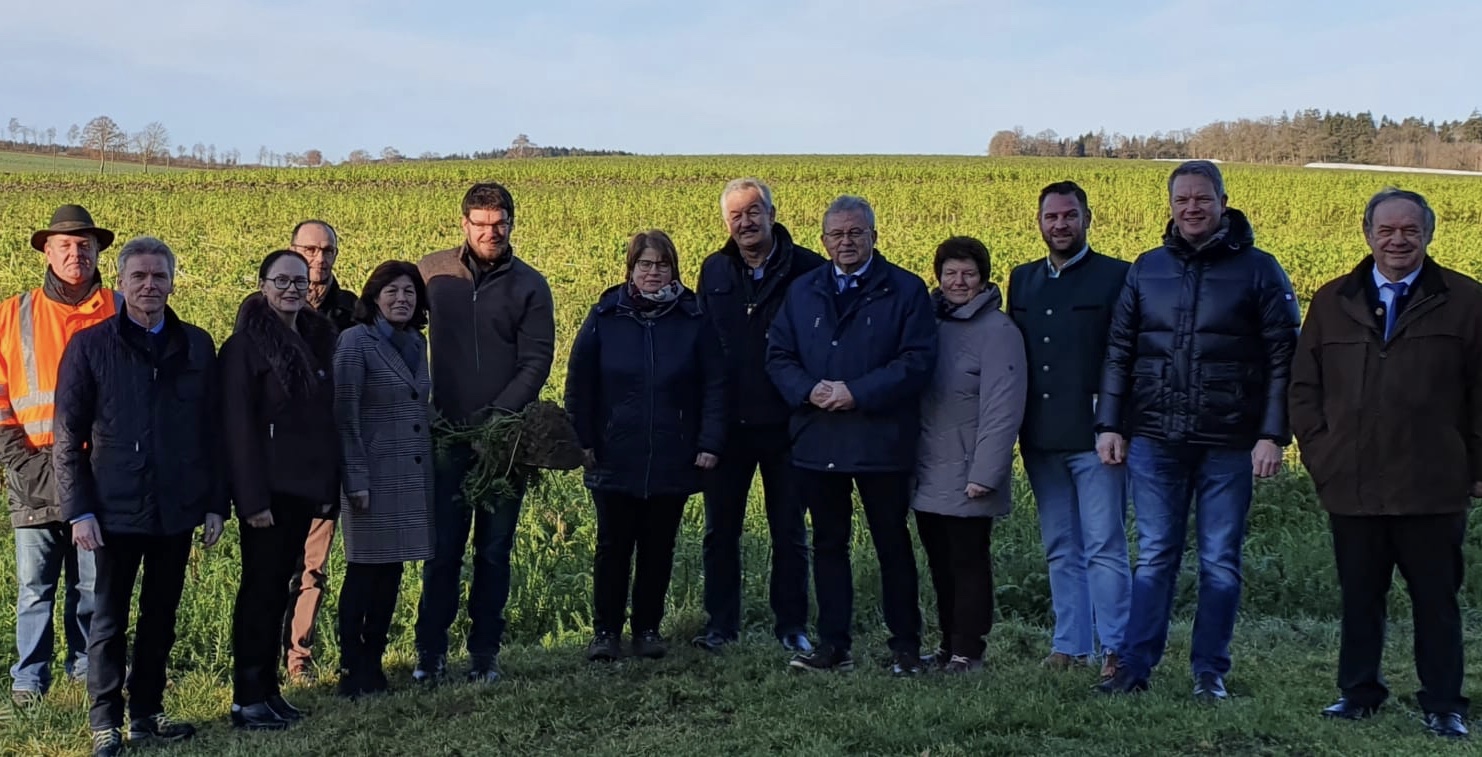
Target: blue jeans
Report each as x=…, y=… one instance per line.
x=1166, y=480
x=493, y=539
x=1083, y=523
x=40, y=554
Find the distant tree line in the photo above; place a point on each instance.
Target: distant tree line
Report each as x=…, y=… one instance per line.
x=102, y=139
x=1310, y=136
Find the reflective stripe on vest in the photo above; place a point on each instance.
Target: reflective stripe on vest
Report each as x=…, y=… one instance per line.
x=28, y=348
x=34, y=409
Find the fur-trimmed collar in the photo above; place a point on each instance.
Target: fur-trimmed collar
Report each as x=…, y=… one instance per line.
x=299, y=359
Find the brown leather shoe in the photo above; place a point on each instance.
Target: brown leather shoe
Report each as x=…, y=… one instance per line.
x=1063, y=661
x=1108, y=666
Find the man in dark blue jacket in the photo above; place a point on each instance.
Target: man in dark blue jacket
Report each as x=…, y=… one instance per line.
x=138, y=470
x=1198, y=359
x=741, y=288
x=851, y=352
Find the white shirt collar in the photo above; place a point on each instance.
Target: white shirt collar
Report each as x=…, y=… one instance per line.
x=1055, y=273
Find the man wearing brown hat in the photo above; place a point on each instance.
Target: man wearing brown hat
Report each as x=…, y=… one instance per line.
x=35, y=327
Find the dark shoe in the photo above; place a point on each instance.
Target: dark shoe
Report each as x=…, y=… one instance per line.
x=1448, y=725
x=904, y=664
x=108, y=742
x=797, y=642
x=826, y=657
x=960, y=664
x=604, y=647
x=1122, y=682
x=649, y=644
x=710, y=641
x=484, y=670
x=1347, y=710
x=1210, y=687
x=936, y=660
x=160, y=727
x=352, y=684
x=374, y=681
x=285, y=710
x=257, y=717
x=25, y=698
x=431, y=669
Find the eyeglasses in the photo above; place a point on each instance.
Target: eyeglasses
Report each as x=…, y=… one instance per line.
x=854, y=235
x=299, y=282
x=649, y=265
x=310, y=249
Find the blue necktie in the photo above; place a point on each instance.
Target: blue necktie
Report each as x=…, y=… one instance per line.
x=847, y=280
x=1392, y=313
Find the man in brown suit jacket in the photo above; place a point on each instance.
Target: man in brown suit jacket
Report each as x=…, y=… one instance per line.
x=1386, y=406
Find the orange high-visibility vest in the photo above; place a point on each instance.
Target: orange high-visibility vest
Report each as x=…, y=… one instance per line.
x=34, y=329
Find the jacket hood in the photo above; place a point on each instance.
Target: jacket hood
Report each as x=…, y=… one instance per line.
x=293, y=358
x=1235, y=234
x=988, y=299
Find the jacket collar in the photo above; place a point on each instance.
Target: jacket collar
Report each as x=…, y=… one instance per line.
x=1235, y=234
x=57, y=290
x=988, y=299
x=779, y=260
x=1360, y=280
x=874, y=276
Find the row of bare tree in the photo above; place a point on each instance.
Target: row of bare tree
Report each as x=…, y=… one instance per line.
x=1309, y=136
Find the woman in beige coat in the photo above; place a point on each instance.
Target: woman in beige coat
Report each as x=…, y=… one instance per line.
x=970, y=417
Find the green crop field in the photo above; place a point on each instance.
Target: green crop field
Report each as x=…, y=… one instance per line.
x=25, y=162
x=572, y=220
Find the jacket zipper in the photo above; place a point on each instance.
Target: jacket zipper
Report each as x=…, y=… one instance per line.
x=476, y=364
x=270, y=430
x=648, y=339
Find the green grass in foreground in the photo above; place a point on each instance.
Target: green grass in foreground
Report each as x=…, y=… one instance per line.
x=25, y=162
x=747, y=702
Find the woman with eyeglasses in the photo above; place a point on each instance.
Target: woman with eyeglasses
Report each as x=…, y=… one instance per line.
x=645, y=387
x=283, y=463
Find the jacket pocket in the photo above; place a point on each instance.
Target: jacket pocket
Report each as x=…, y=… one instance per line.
x=1148, y=383
x=1226, y=391
x=118, y=473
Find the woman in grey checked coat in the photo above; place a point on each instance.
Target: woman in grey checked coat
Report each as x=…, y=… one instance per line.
x=381, y=408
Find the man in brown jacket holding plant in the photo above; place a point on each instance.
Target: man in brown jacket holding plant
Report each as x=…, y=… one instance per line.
x=493, y=335
x=1386, y=406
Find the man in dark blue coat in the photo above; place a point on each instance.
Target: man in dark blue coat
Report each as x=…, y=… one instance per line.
x=138, y=470
x=851, y=352
x=1198, y=359
x=741, y=288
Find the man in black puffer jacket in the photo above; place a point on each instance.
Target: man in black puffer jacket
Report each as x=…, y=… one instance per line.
x=138, y=468
x=742, y=287
x=1198, y=359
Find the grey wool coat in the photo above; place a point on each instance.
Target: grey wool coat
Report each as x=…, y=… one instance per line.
x=384, y=420
x=971, y=413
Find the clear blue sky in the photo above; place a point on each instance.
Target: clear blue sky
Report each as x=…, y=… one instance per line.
x=765, y=76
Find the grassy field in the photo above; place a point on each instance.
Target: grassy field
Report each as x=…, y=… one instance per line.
x=31, y=163
x=572, y=219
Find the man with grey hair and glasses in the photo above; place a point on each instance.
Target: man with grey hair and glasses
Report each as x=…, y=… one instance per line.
x=138, y=468
x=1386, y=406
x=851, y=353
x=1193, y=401
x=742, y=287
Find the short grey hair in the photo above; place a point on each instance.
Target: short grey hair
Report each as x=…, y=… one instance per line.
x=851, y=204
x=1395, y=193
x=1203, y=168
x=738, y=185
x=146, y=246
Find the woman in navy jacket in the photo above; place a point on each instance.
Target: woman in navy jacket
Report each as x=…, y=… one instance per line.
x=645, y=390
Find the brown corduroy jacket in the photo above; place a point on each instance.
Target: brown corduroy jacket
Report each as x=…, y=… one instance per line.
x=1391, y=427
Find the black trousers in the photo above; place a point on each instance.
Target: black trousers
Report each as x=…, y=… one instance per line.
x=119, y=561
x=959, y=553
x=886, y=500
x=269, y=556
x=627, y=525
x=727, y=490
x=367, y=603
x=1427, y=550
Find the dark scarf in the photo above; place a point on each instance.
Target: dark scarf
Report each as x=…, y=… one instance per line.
x=405, y=343
x=67, y=294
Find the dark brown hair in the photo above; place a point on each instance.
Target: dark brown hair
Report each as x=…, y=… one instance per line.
x=657, y=240
x=489, y=195
x=366, y=309
x=963, y=248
